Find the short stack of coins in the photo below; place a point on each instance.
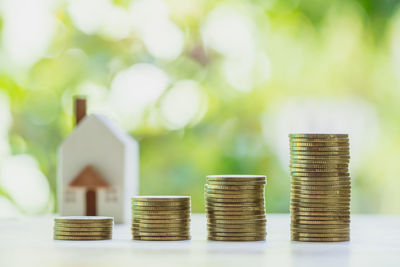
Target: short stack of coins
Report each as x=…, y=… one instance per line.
x=161, y=218
x=235, y=207
x=83, y=228
x=320, y=187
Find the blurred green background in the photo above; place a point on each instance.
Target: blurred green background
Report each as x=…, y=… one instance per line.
x=205, y=86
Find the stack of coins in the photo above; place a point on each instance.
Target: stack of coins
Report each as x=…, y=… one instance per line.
x=320, y=195
x=235, y=207
x=161, y=218
x=83, y=228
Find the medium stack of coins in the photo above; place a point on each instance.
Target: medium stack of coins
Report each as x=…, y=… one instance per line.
x=83, y=228
x=235, y=207
x=161, y=218
x=320, y=195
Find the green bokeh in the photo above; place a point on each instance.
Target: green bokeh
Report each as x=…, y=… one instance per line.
x=300, y=40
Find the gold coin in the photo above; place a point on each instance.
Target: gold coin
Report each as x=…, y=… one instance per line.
x=320, y=193
x=312, y=189
x=156, y=221
x=322, y=213
x=160, y=225
x=81, y=238
x=309, y=152
x=234, y=193
x=161, y=238
x=159, y=208
x=319, y=144
x=302, y=170
x=161, y=199
x=82, y=229
x=256, y=204
x=325, y=209
x=235, y=217
x=157, y=204
x=319, y=175
x=232, y=221
x=161, y=230
x=321, y=187
x=333, y=239
x=319, y=235
x=296, y=216
x=321, y=183
x=233, y=183
x=324, y=142
x=317, y=195
x=260, y=208
x=295, y=229
x=245, y=196
x=64, y=233
x=183, y=233
x=241, y=213
x=83, y=225
x=295, y=149
x=320, y=226
x=236, y=177
x=326, y=205
x=320, y=200
x=306, y=221
x=84, y=219
x=162, y=217
x=235, y=187
x=320, y=157
x=325, y=179
x=248, y=225
x=239, y=201
x=238, y=238
x=222, y=229
x=183, y=218
x=315, y=226
x=162, y=212
x=235, y=200
x=318, y=135
x=318, y=166
x=230, y=234
x=236, y=182
x=344, y=163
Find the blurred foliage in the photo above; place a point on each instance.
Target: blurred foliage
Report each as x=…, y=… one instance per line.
x=330, y=49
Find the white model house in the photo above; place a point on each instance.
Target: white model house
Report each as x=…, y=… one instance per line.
x=98, y=167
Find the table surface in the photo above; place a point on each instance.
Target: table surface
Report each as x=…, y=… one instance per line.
x=375, y=240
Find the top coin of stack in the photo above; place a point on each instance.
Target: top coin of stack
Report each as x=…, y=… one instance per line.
x=320, y=194
x=83, y=228
x=161, y=218
x=235, y=207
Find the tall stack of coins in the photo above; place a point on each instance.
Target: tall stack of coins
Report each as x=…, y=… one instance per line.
x=161, y=218
x=235, y=207
x=83, y=228
x=320, y=195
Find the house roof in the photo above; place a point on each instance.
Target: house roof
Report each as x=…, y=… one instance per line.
x=89, y=178
x=101, y=121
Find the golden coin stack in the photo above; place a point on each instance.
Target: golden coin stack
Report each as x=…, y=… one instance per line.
x=161, y=218
x=83, y=228
x=235, y=207
x=320, y=194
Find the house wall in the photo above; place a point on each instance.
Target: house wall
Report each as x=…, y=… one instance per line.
x=93, y=144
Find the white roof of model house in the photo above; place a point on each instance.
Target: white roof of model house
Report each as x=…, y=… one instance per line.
x=102, y=123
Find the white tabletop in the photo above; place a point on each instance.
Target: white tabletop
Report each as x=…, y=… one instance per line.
x=375, y=241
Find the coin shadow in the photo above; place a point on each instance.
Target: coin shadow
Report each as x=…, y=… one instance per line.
x=222, y=247
x=320, y=253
